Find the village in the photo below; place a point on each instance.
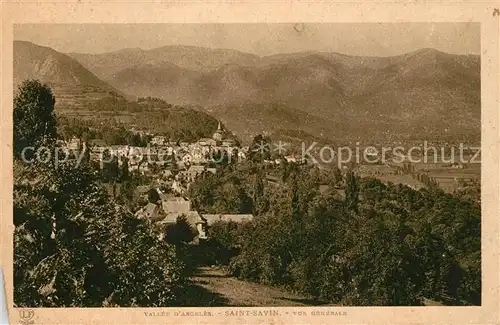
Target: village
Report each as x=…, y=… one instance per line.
x=173, y=166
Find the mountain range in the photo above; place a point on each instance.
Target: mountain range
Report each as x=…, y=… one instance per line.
x=421, y=94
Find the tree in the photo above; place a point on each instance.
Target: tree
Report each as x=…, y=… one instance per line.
x=202, y=192
x=232, y=199
x=85, y=155
x=153, y=196
x=173, y=165
x=352, y=192
x=223, y=241
x=295, y=209
x=259, y=204
x=260, y=148
x=124, y=175
x=34, y=118
x=110, y=171
x=133, y=139
x=337, y=176
x=180, y=232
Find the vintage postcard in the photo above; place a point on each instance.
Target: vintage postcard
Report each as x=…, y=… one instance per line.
x=258, y=163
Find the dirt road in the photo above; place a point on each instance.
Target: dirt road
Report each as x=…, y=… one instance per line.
x=211, y=287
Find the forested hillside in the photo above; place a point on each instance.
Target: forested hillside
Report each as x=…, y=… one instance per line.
x=376, y=245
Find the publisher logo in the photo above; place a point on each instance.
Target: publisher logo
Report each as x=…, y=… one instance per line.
x=27, y=316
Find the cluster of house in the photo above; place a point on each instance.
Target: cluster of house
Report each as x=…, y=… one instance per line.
x=170, y=207
x=180, y=182
x=161, y=152
x=297, y=159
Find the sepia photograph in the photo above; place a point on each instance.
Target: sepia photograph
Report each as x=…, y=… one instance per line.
x=251, y=163
x=244, y=165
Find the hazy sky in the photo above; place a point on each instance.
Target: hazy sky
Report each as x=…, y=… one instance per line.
x=263, y=39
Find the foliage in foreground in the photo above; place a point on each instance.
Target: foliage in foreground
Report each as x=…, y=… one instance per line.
x=72, y=246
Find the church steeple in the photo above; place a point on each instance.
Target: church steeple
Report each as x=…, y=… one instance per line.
x=219, y=134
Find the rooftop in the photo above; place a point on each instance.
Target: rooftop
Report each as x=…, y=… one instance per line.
x=193, y=217
x=211, y=218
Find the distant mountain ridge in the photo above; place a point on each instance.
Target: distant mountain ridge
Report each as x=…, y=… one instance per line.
x=424, y=93
x=187, y=57
x=419, y=93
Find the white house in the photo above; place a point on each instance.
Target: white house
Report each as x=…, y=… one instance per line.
x=187, y=158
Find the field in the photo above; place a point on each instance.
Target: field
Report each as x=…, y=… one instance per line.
x=446, y=176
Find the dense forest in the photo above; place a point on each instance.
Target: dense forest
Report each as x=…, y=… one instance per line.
x=378, y=244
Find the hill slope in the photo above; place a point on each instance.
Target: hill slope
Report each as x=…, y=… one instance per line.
x=165, y=80
x=427, y=92
x=72, y=84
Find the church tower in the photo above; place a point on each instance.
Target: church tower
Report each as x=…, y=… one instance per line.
x=219, y=134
